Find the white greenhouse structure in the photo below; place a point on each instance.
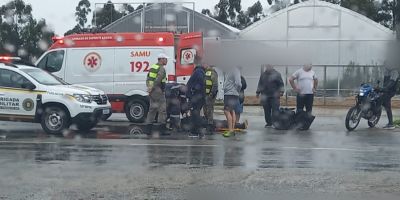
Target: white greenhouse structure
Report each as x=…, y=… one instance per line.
x=330, y=37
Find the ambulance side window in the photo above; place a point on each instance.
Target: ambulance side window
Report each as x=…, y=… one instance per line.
x=12, y=79
x=53, y=61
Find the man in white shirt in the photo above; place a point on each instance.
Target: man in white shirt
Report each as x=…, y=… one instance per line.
x=305, y=88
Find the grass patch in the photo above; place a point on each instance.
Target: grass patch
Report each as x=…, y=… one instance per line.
x=396, y=122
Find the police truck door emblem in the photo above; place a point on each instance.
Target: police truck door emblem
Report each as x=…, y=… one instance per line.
x=28, y=104
x=92, y=61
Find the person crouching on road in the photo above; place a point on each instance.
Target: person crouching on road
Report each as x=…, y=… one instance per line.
x=211, y=89
x=305, y=88
x=232, y=86
x=156, y=80
x=196, y=95
x=270, y=87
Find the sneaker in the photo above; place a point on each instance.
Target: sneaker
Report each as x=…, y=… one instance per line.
x=227, y=134
x=246, y=124
x=268, y=126
x=389, y=127
x=193, y=135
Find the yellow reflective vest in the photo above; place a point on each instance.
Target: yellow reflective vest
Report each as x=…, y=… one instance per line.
x=209, y=82
x=153, y=75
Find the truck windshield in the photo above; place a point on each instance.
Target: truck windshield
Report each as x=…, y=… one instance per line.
x=44, y=77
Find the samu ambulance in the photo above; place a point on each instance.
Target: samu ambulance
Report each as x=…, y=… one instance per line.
x=118, y=63
x=29, y=94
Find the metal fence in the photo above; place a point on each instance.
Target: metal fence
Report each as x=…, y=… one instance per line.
x=333, y=81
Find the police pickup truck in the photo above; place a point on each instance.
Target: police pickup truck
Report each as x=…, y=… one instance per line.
x=30, y=94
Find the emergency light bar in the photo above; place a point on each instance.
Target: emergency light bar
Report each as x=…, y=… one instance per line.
x=9, y=58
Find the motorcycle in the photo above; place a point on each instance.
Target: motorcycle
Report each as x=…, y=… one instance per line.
x=368, y=106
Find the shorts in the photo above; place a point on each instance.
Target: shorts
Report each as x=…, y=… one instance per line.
x=239, y=108
x=230, y=102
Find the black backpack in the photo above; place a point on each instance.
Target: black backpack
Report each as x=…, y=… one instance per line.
x=303, y=120
x=284, y=119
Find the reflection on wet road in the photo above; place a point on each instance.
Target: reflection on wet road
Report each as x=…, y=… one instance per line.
x=118, y=160
x=373, y=150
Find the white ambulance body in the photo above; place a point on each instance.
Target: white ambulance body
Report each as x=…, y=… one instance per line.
x=118, y=63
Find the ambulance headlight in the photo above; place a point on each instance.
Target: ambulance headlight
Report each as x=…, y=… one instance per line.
x=83, y=98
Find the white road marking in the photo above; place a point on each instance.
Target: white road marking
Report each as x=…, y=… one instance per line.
x=177, y=145
x=330, y=149
x=27, y=142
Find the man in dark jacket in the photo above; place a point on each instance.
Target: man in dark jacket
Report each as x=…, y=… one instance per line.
x=390, y=82
x=196, y=95
x=270, y=87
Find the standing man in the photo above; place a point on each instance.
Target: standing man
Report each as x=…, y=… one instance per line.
x=305, y=88
x=156, y=80
x=232, y=86
x=196, y=95
x=270, y=87
x=211, y=86
x=390, y=82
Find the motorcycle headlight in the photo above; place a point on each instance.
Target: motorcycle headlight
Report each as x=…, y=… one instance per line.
x=361, y=94
x=83, y=98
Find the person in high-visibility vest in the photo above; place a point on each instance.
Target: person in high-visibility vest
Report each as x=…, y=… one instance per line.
x=211, y=90
x=156, y=80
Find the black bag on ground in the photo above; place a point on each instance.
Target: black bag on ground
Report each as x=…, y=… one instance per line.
x=303, y=120
x=284, y=119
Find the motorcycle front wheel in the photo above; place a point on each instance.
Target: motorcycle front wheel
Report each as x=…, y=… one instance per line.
x=353, y=118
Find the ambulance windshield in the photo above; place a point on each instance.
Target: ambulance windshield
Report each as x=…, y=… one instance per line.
x=44, y=77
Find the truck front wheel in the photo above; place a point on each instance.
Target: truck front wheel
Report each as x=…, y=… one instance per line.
x=136, y=110
x=55, y=120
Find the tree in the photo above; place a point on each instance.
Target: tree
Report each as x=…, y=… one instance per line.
x=234, y=8
x=278, y=4
x=254, y=11
x=364, y=7
x=106, y=15
x=221, y=10
x=21, y=34
x=385, y=14
x=243, y=20
x=127, y=9
x=81, y=12
x=206, y=12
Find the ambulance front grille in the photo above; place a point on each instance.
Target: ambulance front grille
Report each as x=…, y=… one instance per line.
x=100, y=99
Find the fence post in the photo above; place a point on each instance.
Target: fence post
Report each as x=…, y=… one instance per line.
x=325, y=85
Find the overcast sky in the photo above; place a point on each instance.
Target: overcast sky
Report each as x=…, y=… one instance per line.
x=60, y=13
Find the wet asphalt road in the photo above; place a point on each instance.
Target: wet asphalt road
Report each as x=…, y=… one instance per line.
x=117, y=161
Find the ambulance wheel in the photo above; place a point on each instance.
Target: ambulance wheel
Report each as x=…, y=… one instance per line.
x=136, y=110
x=55, y=120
